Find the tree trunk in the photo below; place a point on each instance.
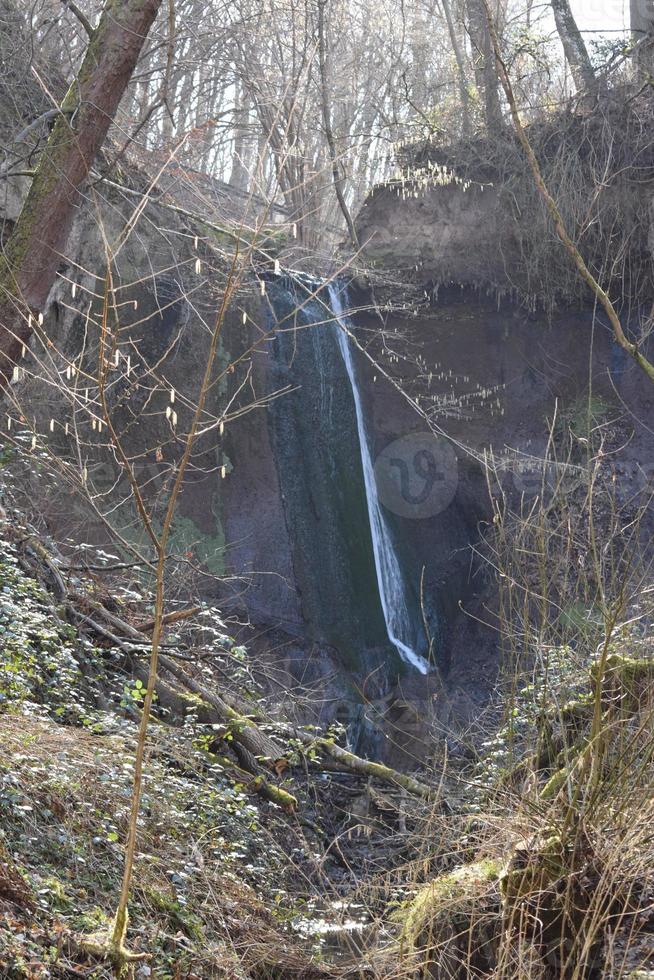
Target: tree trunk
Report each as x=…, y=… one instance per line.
x=240, y=172
x=36, y=246
x=484, y=63
x=337, y=175
x=460, y=68
x=574, y=48
x=641, y=18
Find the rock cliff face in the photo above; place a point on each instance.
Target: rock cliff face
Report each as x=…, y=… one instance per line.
x=284, y=539
x=449, y=235
x=497, y=373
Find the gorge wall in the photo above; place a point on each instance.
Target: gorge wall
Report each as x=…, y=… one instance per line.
x=491, y=375
x=285, y=538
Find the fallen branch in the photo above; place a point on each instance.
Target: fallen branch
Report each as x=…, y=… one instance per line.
x=259, y=784
x=41, y=552
x=254, y=747
x=241, y=727
x=171, y=617
x=366, y=768
x=352, y=762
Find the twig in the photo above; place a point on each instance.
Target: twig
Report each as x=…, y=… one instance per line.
x=171, y=617
x=44, y=117
x=81, y=16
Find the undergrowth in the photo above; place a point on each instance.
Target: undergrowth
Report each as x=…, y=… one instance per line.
x=213, y=892
x=534, y=861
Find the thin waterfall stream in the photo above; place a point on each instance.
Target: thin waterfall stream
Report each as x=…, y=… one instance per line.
x=392, y=591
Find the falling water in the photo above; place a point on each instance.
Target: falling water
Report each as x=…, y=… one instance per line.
x=389, y=576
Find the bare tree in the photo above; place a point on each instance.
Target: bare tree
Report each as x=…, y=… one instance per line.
x=601, y=296
x=460, y=67
x=641, y=19
x=484, y=64
x=574, y=47
x=36, y=246
x=323, y=54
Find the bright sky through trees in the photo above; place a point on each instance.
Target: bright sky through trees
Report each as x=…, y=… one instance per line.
x=601, y=16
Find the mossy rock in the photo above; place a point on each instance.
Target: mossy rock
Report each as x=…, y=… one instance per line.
x=628, y=682
x=534, y=867
x=561, y=736
x=453, y=925
x=576, y=717
x=574, y=722
x=547, y=890
x=554, y=784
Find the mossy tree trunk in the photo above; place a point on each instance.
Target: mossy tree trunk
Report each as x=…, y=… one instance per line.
x=36, y=246
x=574, y=46
x=484, y=64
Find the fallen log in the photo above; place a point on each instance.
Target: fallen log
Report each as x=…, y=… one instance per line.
x=241, y=727
x=258, y=749
x=367, y=768
x=351, y=761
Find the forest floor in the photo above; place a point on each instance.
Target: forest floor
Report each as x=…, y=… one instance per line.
x=227, y=883
x=532, y=858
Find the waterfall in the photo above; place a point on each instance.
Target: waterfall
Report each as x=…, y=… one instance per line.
x=390, y=582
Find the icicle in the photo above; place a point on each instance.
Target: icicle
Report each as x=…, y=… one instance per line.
x=198, y=267
x=262, y=287
x=277, y=267
x=8, y=422
x=223, y=471
x=117, y=358
x=172, y=396
x=40, y=319
x=94, y=423
x=24, y=351
x=168, y=411
x=51, y=425
x=66, y=428
x=294, y=230
x=33, y=442
x=174, y=419
x=195, y=242
x=99, y=425
x=129, y=364
x=85, y=475
x=245, y=317
x=16, y=374
x=74, y=290
x=221, y=427
x=68, y=373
